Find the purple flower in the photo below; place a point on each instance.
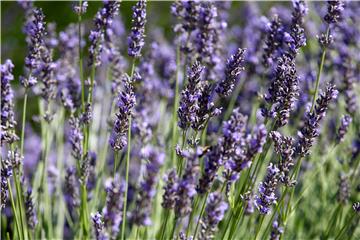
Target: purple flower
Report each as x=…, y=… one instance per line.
x=267, y=188
x=147, y=191
x=98, y=225
x=103, y=20
x=125, y=104
x=284, y=147
x=297, y=38
x=213, y=161
x=30, y=210
x=206, y=107
x=76, y=137
x=8, y=122
x=35, y=29
x=6, y=172
x=80, y=10
x=214, y=213
x=71, y=188
x=187, y=184
x=234, y=66
x=114, y=205
x=334, y=13
x=170, y=190
x=343, y=128
x=244, y=154
x=189, y=96
x=137, y=34
x=310, y=130
x=273, y=41
x=207, y=37
x=344, y=189
x=187, y=12
x=283, y=91
x=276, y=230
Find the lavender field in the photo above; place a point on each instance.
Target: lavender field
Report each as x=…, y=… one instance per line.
x=180, y=120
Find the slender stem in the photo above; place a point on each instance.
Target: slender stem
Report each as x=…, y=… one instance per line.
x=319, y=73
x=23, y=123
x=174, y=227
x=259, y=226
x=116, y=160
x=126, y=180
x=196, y=203
x=14, y=209
x=167, y=214
x=20, y=205
x=127, y=164
x=81, y=61
x=84, y=210
x=175, y=108
x=346, y=225
x=201, y=214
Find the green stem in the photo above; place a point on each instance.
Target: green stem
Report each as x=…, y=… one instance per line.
x=175, y=108
x=174, y=227
x=126, y=180
x=346, y=225
x=319, y=73
x=14, y=209
x=20, y=205
x=23, y=123
x=201, y=214
x=259, y=226
x=163, y=229
x=81, y=62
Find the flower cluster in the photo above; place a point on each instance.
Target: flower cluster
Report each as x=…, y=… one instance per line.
x=267, y=188
x=310, y=130
x=8, y=122
x=125, y=104
x=214, y=213
x=234, y=67
x=137, y=34
x=103, y=20
x=147, y=188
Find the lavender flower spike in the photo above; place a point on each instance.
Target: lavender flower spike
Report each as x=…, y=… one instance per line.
x=98, y=224
x=8, y=122
x=344, y=189
x=136, y=38
x=114, y=202
x=76, y=138
x=35, y=30
x=284, y=146
x=81, y=9
x=126, y=102
x=148, y=188
x=6, y=172
x=345, y=122
x=103, y=20
x=276, y=231
x=310, y=130
x=189, y=97
x=335, y=8
x=170, y=190
x=30, y=211
x=234, y=67
x=215, y=210
x=186, y=189
x=267, y=188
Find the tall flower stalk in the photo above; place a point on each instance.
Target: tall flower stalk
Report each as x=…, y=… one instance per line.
x=135, y=44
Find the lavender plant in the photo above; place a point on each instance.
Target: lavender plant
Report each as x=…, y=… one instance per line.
x=212, y=120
